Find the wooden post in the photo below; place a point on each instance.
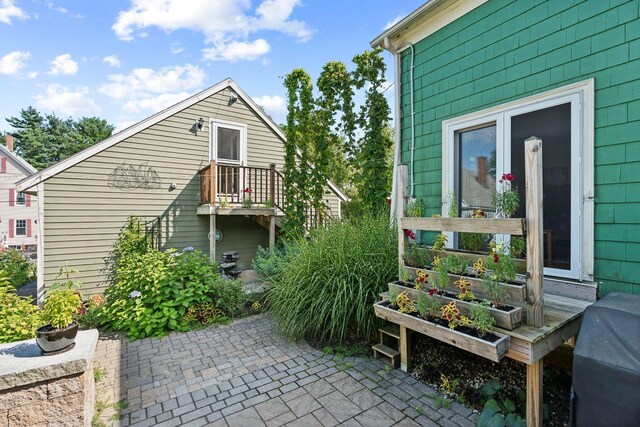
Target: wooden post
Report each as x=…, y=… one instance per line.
x=272, y=232
x=401, y=191
x=405, y=348
x=212, y=182
x=535, y=261
x=272, y=184
x=534, y=394
x=212, y=237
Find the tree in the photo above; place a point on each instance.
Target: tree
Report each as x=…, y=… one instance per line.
x=46, y=140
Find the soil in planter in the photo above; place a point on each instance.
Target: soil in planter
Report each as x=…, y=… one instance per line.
x=431, y=358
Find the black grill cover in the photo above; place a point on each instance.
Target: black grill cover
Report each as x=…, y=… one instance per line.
x=606, y=364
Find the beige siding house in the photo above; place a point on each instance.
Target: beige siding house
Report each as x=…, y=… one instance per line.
x=160, y=170
x=18, y=211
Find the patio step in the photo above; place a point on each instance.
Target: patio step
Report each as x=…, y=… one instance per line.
x=390, y=355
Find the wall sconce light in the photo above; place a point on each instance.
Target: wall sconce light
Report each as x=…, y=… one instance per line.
x=232, y=98
x=200, y=123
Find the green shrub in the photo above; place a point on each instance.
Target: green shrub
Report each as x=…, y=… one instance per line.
x=154, y=291
x=268, y=262
x=17, y=267
x=60, y=307
x=326, y=287
x=131, y=241
x=19, y=318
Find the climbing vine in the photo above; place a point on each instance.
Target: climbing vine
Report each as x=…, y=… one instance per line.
x=299, y=133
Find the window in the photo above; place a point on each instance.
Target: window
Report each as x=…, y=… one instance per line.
x=21, y=227
x=480, y=147
x=21, y=199
x=228, y=148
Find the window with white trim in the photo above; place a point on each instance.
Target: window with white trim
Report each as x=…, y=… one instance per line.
x=21, y=227
x=479, y=148
x=228, y=147
x=21, y=199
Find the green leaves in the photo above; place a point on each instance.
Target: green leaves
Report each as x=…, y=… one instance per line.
x=19, y=319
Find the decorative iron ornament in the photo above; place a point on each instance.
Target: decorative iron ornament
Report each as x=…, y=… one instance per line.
x=142, y=176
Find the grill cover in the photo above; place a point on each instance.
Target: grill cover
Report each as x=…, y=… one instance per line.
x=606, y=364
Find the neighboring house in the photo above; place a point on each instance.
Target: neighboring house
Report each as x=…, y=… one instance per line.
x=476, y=78
x=159, y=170
x=18, y=211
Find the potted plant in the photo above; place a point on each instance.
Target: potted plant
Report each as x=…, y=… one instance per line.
x=59, y=334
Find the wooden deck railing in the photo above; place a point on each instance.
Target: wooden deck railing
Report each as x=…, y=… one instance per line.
x=234, y=184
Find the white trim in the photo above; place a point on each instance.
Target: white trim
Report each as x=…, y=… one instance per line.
x=17, y=160
x=581, y=96
x=213, y=139
x=426, y=20
x=40, y=247
x=47, y=173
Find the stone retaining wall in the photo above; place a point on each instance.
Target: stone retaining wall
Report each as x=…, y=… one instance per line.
x=47, y=390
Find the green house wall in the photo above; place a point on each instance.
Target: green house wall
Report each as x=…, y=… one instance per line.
x=506, y=50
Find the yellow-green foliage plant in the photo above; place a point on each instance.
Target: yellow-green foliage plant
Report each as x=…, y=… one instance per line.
x=19, y=318
x=404, y=303
x=60, y=307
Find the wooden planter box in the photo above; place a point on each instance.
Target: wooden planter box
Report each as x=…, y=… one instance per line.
x=517, y=292
x=492, y=351
x=519, y=264
x=504, y=319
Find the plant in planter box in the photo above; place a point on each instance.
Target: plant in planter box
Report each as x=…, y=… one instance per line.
x=415, y=208
x=500, y=270
x=506, y=200
x=442, y=274
x=393, y=297
x=517, y=246
x=456, y=264
x=421, y=280
x=428, y=306
x=404, y=303
x=59, y=310
x=247, y=202
x=474, y=242
x=439, y=242
x=403, y=276
x=450, y=313
x=482, y=319
x=416, y=256
x=465, y=293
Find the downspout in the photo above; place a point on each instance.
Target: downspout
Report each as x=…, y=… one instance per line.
x=412, y=181
x=398, y=141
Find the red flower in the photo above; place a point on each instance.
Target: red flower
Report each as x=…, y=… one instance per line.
x=432, y=292
x=246, y=190
x=388, y=200
x=410, y=234
x=496, y=258
x=507, y=177
x=421, y=279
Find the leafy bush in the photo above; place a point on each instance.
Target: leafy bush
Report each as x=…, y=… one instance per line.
x=154, y=291
x=17, y=267
x=268, y=262
x=60, y=307
x=19, y=318
x=326, y=287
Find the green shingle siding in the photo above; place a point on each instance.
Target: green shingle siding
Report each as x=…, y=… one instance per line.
x=506, y=50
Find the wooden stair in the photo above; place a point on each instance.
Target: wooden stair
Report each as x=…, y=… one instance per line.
x=389, y=338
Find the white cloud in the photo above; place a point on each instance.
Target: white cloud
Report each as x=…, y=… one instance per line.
x=394, y=21
x=236, y=51
x=112, y=60
x=156, y=103
x=226, y=24
x=143, y=81
x=63, y=64
x=13, y=62
x=61, y=99
x=148, y=89
x=8, y=10
x=32, y=74
x=275, y=106
x=122, y=125
x=53, y=7
x=176, y=47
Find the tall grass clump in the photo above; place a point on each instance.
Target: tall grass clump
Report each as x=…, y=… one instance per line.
x=325, y=288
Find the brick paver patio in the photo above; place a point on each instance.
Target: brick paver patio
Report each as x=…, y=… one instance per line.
x=246, y=374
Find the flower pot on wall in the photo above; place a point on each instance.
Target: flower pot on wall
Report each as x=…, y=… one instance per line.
x=55, y=341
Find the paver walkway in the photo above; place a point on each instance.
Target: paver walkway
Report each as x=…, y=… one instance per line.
x=246, y=374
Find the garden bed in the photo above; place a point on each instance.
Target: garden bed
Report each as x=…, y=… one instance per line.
x=506, y=317
x=482, y=346
x=517, y=291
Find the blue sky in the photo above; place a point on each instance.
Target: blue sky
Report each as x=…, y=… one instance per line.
x=125, y=60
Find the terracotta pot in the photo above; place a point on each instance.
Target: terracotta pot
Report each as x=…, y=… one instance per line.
x=55, y=341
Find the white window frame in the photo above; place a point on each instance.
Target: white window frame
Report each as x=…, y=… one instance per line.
x=213, y=146
x=581, y=95
x=15, y=231
x=24, y=200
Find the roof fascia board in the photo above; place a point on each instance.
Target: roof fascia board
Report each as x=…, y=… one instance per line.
x=18, y=160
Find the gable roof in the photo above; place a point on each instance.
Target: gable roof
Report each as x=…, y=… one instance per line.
x=18, y=161
x=63, y=165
